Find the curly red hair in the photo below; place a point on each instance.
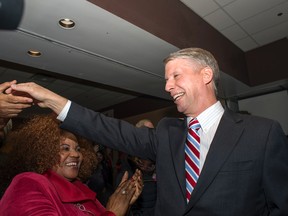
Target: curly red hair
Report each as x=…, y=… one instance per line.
x=36, y=148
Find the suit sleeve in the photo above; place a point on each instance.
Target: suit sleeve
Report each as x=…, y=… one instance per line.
x=275, y=175
x=111, y=132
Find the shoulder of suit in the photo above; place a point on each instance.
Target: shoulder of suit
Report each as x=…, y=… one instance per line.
x=249, y=118
x=171, y=121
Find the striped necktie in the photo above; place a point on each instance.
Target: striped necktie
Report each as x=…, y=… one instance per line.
x=192, y=157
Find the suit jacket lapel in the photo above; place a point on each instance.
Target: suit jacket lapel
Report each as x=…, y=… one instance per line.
x=221, y=147
x=177, y=144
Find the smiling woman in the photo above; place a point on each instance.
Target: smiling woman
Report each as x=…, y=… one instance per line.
x=70, y=157
x=36, y=148
x=46, y=169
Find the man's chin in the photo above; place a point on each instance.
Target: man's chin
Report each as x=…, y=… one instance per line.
x=180, y=109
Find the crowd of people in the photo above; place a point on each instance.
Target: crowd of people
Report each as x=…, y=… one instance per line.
x=33, y=169
x=212, y=162
x=46, y=170
x=47, y=174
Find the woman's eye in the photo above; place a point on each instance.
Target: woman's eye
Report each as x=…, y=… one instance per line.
x=65, y=148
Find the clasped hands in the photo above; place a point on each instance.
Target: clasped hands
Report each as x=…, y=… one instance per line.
x=126, y=194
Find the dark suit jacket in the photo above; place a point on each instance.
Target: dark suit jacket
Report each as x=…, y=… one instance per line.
x=245, y=172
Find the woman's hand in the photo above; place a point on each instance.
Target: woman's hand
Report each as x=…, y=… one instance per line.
x=137, y=178
x=126, y=194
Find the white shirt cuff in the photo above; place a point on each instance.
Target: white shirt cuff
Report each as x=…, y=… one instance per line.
x=62, y=115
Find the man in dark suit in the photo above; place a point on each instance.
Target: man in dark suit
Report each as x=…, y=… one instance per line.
x=243, y=160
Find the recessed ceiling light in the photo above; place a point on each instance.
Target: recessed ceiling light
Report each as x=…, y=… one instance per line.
x=66, y=23
x=34, y=53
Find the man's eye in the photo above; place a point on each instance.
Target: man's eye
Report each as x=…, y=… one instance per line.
x=78, y=149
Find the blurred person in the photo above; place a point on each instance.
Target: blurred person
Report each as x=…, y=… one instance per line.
x=5, y=127
x=144, y=206
x=212, y=162
x=11, y=105
x=146, y=165
x=48, y=166
x=145, y=123
x=96, y=181
x=108, y=164
x=99, y=180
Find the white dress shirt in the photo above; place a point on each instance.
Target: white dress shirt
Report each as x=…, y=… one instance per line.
x=209, y=121
x=62, y=115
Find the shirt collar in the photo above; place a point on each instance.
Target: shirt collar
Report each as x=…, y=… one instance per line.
x=209, y=116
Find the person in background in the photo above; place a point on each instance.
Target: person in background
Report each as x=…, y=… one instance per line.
x=148, y=166
x=108, y=164
x=99, y=180
x=48, y=166
x=10, y=106
x=5, y=148
x=5, y=127
x=145, y=123
x=212, y=162
x=144, y=206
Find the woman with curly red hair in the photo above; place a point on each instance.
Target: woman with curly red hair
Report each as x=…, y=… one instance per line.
x=47, y=165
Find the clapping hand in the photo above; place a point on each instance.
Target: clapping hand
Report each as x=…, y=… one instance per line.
x=126, y=194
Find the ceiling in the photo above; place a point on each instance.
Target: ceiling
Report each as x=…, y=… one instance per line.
x=105, y=60
x=248, y=24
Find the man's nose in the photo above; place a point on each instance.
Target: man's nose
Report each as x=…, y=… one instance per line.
x=169, y=85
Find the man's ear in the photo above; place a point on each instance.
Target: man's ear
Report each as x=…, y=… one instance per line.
x=207, y=75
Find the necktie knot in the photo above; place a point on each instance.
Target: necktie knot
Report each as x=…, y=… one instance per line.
x=194, y=124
